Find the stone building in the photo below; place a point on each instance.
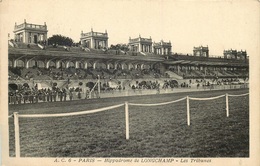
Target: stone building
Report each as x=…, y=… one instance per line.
x=234, y=54
x=94, y=40
x=141, y=44
x=30, y=33
x=201, y=51
x=162, y=48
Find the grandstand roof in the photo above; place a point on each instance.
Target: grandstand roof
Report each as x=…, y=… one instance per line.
x=43, y=54
x=208, y=63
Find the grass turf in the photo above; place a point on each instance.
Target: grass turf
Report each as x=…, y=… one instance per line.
x=158, y=131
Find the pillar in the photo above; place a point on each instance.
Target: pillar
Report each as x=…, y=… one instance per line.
x=67, y=64
x=142, y=66
x=76, y=64
x=14, y=63
x=86, y=65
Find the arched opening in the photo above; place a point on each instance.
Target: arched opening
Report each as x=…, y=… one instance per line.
x=10, y=63
x=19, y=63
x=40, y=64
x=70, y=65
x=50, y=64
x=31, y=64
x=110, y=66
x=130, y=66
x=100, y=65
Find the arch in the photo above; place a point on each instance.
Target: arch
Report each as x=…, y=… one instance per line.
x=85, y=65
x=100, y=65
x=31, y=63
x=10, y=63
x=40, y=64
x=141, y=66
x=60, y=64
x=228, y=56
x=90, y=65
x=110, y=66
x=123, y=66
x=49, y=64
x=197, y=53
x=19, y=63
x=138, y=66
x=78, y=64
x=70, y=64
x=146, y=66
x=130, y=66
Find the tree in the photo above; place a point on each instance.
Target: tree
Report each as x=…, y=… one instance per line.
x=123, y=47
x=60, y=40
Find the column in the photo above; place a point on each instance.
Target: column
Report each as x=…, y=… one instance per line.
x=128, y=66
x=142, y=66
x=67, y=64
x=25, y=37
x=14, y=63
x=86, y=65
x=76, y=64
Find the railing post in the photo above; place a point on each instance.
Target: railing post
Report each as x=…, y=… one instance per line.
x=17, y=135
x=98, y=86
x=227, y=107
x=188, y=111
x=126, y=121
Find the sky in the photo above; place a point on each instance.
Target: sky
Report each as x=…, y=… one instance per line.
x=222, y=24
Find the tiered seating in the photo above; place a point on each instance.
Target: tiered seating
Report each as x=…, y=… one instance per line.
x=56, y=48
x=97, y=51
x=115, y=52
x=12, y=76
x=29, y=73
x=27, y=46
x=76, y=49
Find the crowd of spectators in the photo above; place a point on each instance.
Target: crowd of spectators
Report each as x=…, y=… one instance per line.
x=79, y=73
x=34, y=95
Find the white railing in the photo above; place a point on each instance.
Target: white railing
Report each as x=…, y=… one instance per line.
x=16, y=116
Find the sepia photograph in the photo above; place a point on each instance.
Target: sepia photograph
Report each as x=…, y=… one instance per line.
x=127, y=82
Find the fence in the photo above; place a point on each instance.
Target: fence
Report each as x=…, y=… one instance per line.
x=25, y=99
x=16, y=116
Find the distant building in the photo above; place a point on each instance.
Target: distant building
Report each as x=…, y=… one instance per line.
x=201, y=51
x=30, y=33
x=162, y=48
x=234, y=54
x=140, y=44
x=94, y=40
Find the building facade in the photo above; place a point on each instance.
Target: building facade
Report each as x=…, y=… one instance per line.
x=30, y=33
x=94, y=40
x=201, y=51
x=234, y=54
x=162, y=48
x=140, y=44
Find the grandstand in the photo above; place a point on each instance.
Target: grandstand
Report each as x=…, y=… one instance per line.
x=62, y=68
